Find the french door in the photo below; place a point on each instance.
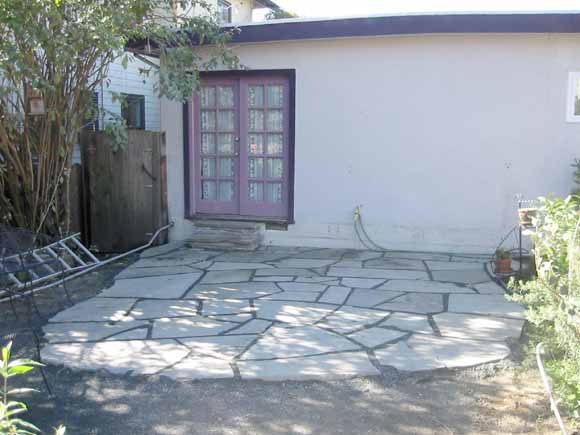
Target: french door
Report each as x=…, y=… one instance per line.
x=241, y=147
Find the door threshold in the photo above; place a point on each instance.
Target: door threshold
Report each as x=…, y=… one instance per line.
x=271, y=223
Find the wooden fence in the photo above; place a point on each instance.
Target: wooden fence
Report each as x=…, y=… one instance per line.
x=124, y=193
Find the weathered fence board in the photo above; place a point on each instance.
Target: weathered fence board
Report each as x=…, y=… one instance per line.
x=125, y=190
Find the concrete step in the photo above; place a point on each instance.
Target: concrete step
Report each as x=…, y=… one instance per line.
x=227, y=235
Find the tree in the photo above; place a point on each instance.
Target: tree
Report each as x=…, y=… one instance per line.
x=53, y=55
x=278, y=14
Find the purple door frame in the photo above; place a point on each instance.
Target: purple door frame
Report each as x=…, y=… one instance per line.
x=243, y=206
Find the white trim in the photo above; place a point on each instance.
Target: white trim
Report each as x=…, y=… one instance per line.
x=573, y=89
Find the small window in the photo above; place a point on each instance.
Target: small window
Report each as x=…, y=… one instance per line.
x=224, y=11
x=133, y=111
x=92, y=120
x=573, y=110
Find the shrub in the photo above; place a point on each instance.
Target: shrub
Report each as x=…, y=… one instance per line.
x=552, y=299
x=11, y=422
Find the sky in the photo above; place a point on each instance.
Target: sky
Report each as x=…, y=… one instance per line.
x=338, y=8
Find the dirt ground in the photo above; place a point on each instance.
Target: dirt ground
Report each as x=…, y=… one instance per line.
x=501, y=399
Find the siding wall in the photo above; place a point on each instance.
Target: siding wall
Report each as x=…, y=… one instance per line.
x=130, y=81
x=433, y=135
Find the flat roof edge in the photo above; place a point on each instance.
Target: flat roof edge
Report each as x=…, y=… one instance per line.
x=409, y=24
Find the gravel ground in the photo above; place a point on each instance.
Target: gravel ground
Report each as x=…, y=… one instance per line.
x=501, y=399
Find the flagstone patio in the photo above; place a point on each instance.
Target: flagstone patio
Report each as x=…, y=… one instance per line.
x=288, y=313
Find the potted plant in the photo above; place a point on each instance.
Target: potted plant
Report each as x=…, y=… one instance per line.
x=503, y=261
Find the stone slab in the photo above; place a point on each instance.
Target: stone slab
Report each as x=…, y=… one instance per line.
x=291, y=312
x=361, y=255
x=325, y=367
x=409, y=322
x=293, y=296
x=138, y=356
x=94, y=331
x=418, y=286
x=226, y=276
x=396, y=263
x=374, y=337
x=246, y=290
x=302, y=287
x=335, y=295
x=225, y=306
x=425, y=352
x=362, y=282
x=376, y=273
x=303, y=263
x=238, y=266
x=225, y=347
x=96, y=310
x=162, y=249
x=195, y=367
x=142, y=272
x=273, y=278
x=328, y=280
x=349, y=319
x=157, y=309
x=478, y=327
x=254, y=326
x=461, y=276
x=493, y=305
x=160, y=287
x=349, y=263
x=286, y=342
x=433, y=256
x=167, y=262
x=188, y=327
x=490, y=287
x=415, y=303
x=454, y=265
x=286, y=272
x=369, y=298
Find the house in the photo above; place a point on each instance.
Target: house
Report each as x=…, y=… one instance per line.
x=141, y=110
x=434, y=123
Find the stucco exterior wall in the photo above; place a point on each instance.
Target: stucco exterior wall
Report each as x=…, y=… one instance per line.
x=433, y=135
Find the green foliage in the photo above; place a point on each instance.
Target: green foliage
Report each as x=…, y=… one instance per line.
x=576, y=166
x=503, y=254
x=11, y=422
x=278, y=14
x=58, y=52
x=552, y=299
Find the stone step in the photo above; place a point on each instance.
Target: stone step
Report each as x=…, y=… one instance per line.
x=227, y=235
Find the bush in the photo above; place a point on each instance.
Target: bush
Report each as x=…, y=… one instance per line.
x=552, y=299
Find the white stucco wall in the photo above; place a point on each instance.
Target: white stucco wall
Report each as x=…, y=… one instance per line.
x=433, y=135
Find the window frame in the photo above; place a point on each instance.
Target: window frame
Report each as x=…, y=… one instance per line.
x=228, y=6
x=573, y=92
x=129, y=99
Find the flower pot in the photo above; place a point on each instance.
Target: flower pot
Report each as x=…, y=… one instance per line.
x=503, y=266
x=526, y=216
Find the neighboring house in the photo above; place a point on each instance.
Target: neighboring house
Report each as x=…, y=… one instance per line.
x=142, y=109
x=434, y=123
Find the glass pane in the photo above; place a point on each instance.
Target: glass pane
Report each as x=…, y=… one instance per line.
x=226, y=120
x=256, y=120
x=274, y=168
x=275, y=96
x=208, y=167
x=208, y=143
x=255, y=144
x=274, y=192
x=226, y=191
x=256, y=96
x=207, y=120
x=275, y=143
x=275, y=118
x=227, y=167
x=225, y=96
x=225, y=143
x=207, y=96
x=208, y=190
x=255, y=168
x=256, y=191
